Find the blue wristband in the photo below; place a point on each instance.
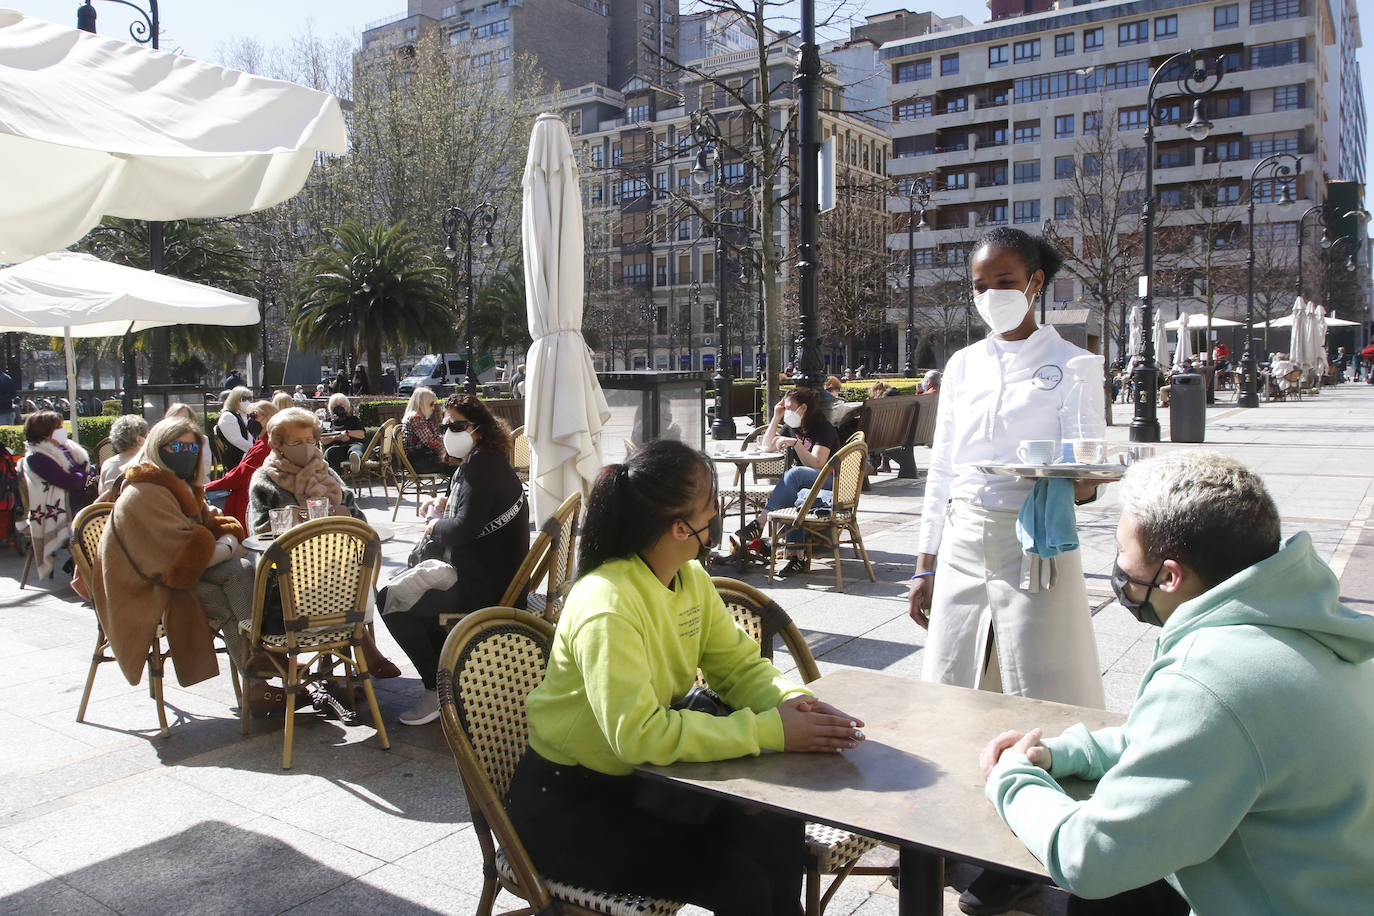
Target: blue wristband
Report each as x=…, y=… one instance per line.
x=922, y=575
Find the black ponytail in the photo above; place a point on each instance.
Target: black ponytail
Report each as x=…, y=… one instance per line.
x=1034, y=252
x=633, y=503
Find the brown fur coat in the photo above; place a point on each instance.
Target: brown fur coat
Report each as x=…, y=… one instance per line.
x=157, y=544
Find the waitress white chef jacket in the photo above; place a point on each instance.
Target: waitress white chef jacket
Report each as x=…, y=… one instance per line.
x=994, y=394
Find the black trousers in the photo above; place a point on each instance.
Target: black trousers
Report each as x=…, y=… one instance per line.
x=418, y=631
x=594, y=830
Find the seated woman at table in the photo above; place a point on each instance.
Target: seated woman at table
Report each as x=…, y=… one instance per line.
x=481, y=528
x=168, y=557
x=232, y=427
x=56, y=473
x=421, y=437
x=295, y=472
x=126, y=438
x=236, y=482
x=801, y=429
x=186, y=411
x=641, y=619
x=343, y=444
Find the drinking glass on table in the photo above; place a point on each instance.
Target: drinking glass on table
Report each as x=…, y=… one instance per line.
x=281, y=519
x=317, y=507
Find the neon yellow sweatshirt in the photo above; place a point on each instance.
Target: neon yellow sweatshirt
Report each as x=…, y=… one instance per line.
x=625, y=648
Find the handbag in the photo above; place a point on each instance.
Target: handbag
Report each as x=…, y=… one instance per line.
x=429, y=548
x=671, y=802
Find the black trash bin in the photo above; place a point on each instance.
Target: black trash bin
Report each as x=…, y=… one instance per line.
x=1187, y=408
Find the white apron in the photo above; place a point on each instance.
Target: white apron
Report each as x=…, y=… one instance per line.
x=1045, y=643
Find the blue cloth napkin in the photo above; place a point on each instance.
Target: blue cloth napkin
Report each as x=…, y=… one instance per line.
x=1046, y=525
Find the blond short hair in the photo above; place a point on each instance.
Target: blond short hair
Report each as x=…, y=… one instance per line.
x=292, y=416
x=236, y=398
x=421, y=401
x=338, y=399
x=281, y=400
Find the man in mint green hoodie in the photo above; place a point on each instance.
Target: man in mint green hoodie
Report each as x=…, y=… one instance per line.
x=1244, y=773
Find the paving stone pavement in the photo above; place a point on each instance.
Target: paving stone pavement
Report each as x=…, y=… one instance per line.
x=106, y=817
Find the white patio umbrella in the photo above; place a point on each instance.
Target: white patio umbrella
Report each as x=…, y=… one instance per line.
x=1316, y=337
x=1135, y=324
x=1198, y=322
x=1286, y=321
x=96, y=127
x=1297, y=345
x=565, y=409
x=1184, y=351
x=70, y=295
x=1161, y=340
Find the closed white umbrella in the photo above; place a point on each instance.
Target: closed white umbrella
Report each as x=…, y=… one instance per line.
x=1135, y=325
x=565, y=409
x=1316, y=338
x=1297, y=345
x=94, y=127
x=1161, y=340
x=1184, y=351
x=70, y=295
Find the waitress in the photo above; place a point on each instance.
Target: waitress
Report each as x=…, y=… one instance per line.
x=986, y=630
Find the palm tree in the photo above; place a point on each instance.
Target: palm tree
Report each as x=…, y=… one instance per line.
x=500, y=319
x=373, y=289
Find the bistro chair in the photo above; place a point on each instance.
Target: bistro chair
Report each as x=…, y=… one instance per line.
x=407, y=478
x=323, y=570
x=104, y=449
x=375, y=466
x=520, y=454
x=829, y=850
x=820, y=528
x=488, y=665
x=22, y=524
x=766, y=477
x=558, y=569
x=526, y=576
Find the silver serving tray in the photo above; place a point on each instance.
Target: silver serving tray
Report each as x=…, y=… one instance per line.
x=1075, y=471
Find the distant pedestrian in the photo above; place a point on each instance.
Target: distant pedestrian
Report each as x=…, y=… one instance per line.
x=387, y=382
x=361, y=383
x=233, y=380
x=340, y=385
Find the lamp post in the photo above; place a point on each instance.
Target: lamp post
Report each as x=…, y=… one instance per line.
x=709, y=163
x=1328, y=244
x=808, y=81
x=1279, y=168
x=1193, y=81
x=143, y=31
x=1047, y=231
x=693, y=362
x=918, y=195
x=481, y=217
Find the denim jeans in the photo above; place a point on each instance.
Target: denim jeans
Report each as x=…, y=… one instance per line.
x=793, y=483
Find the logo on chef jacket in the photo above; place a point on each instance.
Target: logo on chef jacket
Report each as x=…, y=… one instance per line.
x=1047, y=377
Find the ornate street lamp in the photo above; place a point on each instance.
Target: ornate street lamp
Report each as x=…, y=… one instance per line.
x=480, y=218
x=709, y=163
x=917, y=195
x=1280, y=169
x=1329, y=245
x=143, y=31
x=808, y=81
x=1193, y=80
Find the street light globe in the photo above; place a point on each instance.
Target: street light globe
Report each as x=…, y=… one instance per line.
x=450, y=252
x=922, y=225
x=1285, y=198
x=1199, y=127
x=701, y=171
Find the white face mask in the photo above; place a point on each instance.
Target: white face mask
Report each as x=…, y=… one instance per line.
x=458, y=444
x=60, y=434
x=1003, y=310
x=792, y=419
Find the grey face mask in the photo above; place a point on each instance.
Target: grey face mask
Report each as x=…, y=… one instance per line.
x=300, y=454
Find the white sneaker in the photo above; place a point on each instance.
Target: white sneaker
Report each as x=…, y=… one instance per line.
x=355, y=461
x=423, y=712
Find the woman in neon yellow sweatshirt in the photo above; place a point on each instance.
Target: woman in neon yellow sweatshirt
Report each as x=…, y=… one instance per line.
x=642, y=618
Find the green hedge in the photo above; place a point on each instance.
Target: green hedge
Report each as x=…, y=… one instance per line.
x=367, y=411
x=92, y=429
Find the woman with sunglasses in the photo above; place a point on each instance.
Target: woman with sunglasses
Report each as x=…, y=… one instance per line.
x=481, y=529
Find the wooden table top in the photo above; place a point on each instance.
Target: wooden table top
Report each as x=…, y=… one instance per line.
x=914, y=781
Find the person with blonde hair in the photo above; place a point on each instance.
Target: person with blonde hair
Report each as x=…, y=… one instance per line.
x=343, y=443
x=187, y=412
x=421, y=437
x=236, y=482
x=282, y=400
x=232, y=428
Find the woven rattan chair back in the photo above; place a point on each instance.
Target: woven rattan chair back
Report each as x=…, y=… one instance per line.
x=520, y=452
x=849, y=476
x=562, y=560
x=769, y=470
x=87, y=528
x=765, y=621
x=406, y=477
x=103, y=449
x=527, y=576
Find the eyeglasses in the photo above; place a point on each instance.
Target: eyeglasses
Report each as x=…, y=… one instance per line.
x=178, y=447
x=457, y=426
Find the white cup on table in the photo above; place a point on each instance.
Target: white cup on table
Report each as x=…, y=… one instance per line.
x=1038, y=451
x=1090, y=451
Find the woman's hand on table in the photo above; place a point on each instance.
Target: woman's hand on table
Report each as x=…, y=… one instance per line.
x=1027, y=743
x=811, y=725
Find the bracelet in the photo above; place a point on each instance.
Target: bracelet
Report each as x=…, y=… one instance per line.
x=922, y=575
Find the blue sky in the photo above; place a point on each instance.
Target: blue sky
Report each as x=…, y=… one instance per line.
x=198, y=28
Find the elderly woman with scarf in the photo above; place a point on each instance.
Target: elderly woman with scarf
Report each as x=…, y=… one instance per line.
x=295, y=472
x=166, y=557
x=56, y=473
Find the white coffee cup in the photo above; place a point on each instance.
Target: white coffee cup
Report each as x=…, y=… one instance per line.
x=1038, y=451
x=1090, y=451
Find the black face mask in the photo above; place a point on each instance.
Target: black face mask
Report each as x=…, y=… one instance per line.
x=340, y=412
x=183, y=463
x=715, y=530
x=254, y=428
x=1142, y=610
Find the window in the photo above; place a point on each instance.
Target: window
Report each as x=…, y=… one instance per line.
x=1226, y=17
x=1063, y=167
x=997, y=56
x=923, y=69
x=684, y=229
x=637, y=113
x=1063, y=126
x=1027, y=171
x=615, y=153
x=1092, y=39
x=1063, y=208
x=1132, y=201
x=598, y=157
x=634, y=273
x=1092, y=122
x=1025, y=211
x=1063, y=44
x=1092, y=164
x=1133, y=33
x=660, y=185
x=1063, y=288
x=997, y=216
x=1275, y=234
x=1026, y=132
x=492, y=29
x=1272, y=143
x=923, y=258
x=449, y=11
x=1268, y=190
x=1288, y=98
x=732, y=172
x=1130, y=160
x=1274, y=10
x=660, y=274
x=1131, y=119
x=595, y=194
x=1228, y=194
x=904, y=72
x=1026, y=51
x=1222, y=151
x=1166, y=27
x=1064, y=83
x=1278, y=54
x=648, y=9
x=949, y=64
x=1173, y=199
x=956, y=104
x=911, y=110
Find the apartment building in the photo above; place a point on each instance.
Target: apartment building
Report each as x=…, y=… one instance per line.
x=653, y=280
x=996, y=116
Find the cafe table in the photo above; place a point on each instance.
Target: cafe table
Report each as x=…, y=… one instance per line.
x=914, y=782
x=743, y=459
x=260, y=542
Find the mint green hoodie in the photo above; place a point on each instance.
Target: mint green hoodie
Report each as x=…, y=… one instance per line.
x=1245, y=770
